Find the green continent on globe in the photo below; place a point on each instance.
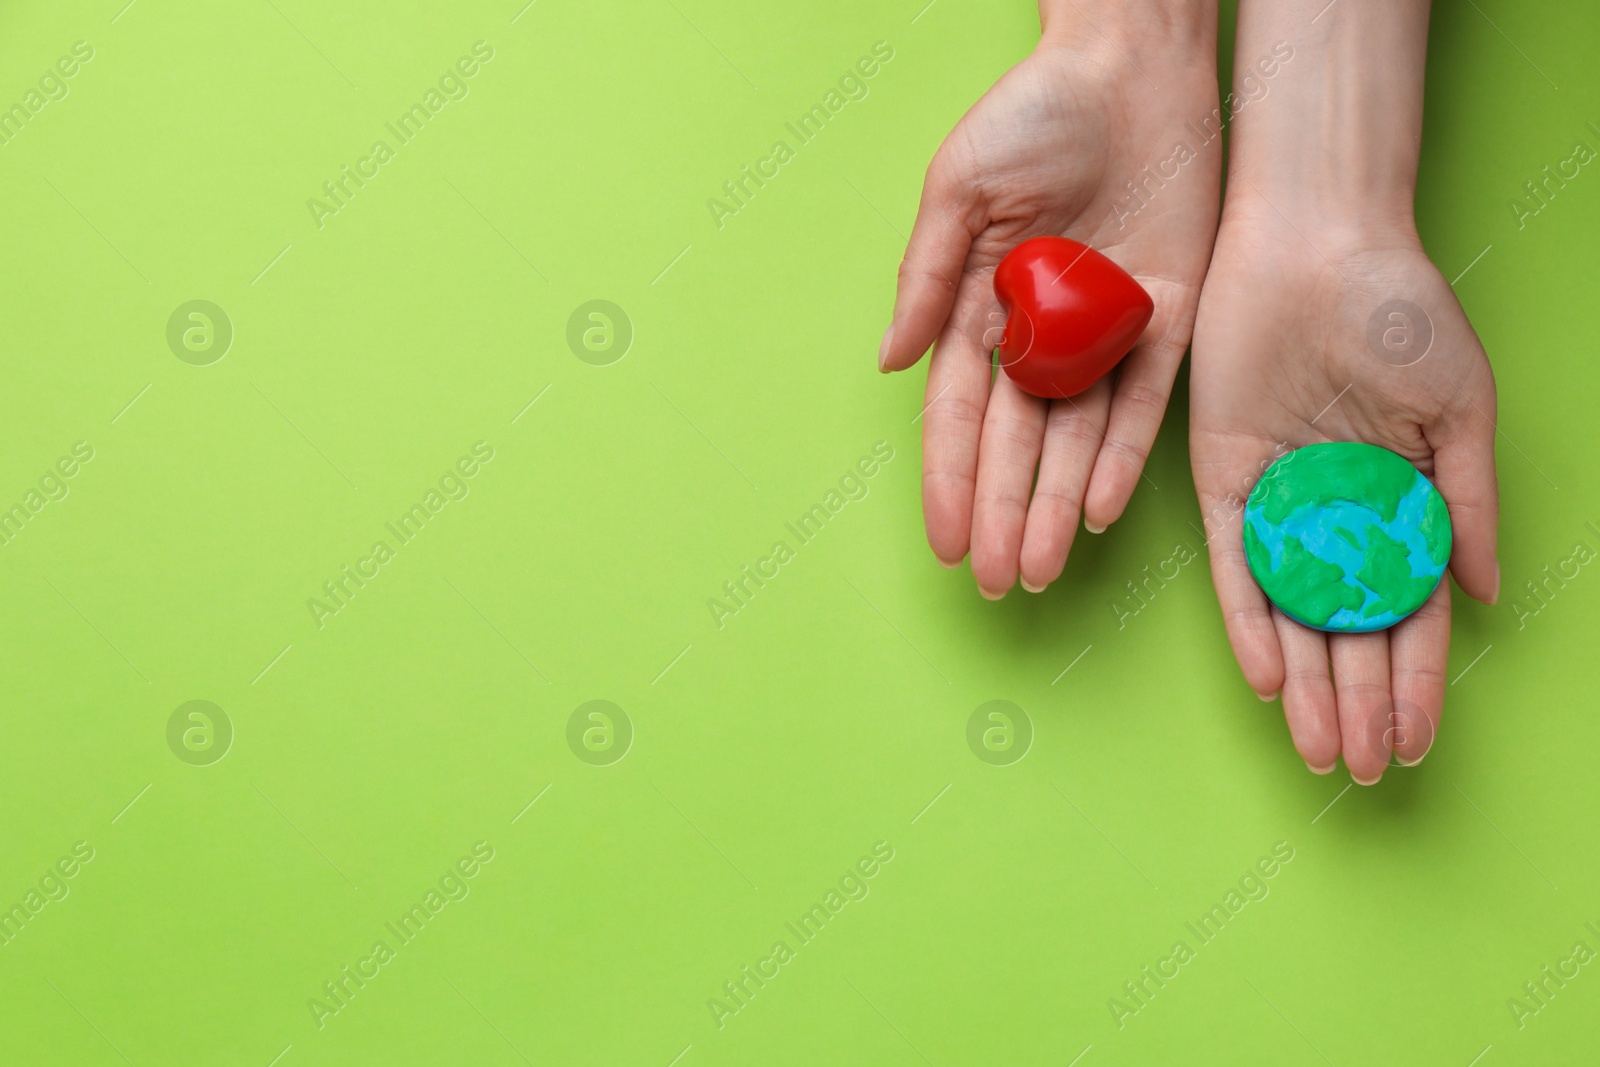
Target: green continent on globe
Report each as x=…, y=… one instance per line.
x=1315, y=587
x=1436, y=529
x=1363, y=473
x=1387, y=572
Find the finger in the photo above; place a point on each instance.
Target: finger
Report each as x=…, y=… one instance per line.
x=1008, y=455
x=1144, y=386
x=957, y=395
x=1420, y=648
x=930, y=274
x=1244, y=607
x=1308, y=699
x=1361, y=684
x=1073, y=431
x=1464, y=473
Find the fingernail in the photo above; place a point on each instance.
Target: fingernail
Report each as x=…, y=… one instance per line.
x=1268, y=698
x=988, y=595
x=1495, y=596
x=948, y=565
x=883, y=348
x=1357, y=778
x=1034, y=588
x=1411, y=763
x=1322, y=770
x=1092, y=528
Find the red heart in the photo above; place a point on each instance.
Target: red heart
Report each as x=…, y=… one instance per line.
x=1071, y=315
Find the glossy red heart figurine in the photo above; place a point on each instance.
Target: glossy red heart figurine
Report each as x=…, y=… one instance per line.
x=1071, y=315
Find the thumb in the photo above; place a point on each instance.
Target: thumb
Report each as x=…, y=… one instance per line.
x=947, y=219
x=1464, y=474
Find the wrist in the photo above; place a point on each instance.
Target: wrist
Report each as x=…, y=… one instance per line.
x=1160, y=32
x=1337, y=228
x=1346, y=178
x=1331, y=142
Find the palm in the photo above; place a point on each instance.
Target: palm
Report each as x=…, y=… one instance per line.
x=1285, y=355
x=1049, y=150
x=1035, y=148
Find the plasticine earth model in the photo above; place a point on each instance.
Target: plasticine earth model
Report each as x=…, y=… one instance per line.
x=1071, y=315
x=1346, y=537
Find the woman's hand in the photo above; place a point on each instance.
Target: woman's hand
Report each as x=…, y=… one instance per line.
x=1317, y=336
x=1100, y=135
x=1323, y=320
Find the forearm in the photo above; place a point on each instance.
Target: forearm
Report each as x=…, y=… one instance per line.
x=1335, y=139
x=1134, y=28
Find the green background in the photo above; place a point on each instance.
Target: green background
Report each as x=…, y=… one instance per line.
x=769, y=755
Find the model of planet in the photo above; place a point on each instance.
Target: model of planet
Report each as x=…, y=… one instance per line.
x=1346, y=537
